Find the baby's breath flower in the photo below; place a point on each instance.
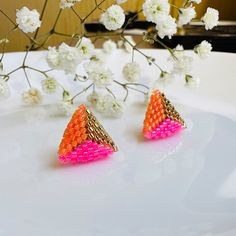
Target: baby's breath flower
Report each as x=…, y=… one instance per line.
x=86, y=47
x=68, y=3
x=116, y=108
x=32, y=96
x=191, y=82
x=132, y=71
x=153, y=9
x=113, y=18
x=211, y=18
x=49, y=85
x=186, y=15
x=93, y=98
x=27, y=20
x=166, y=27
x=101, y=76
x=109, y=46
x=4, y=89
x=103, y=103
x=53, y=58
x=64, y=58
x=203, y=49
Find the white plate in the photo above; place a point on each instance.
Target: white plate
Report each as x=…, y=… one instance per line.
x=181, y=186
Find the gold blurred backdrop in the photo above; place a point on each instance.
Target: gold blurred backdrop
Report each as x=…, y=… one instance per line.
x=69, y=22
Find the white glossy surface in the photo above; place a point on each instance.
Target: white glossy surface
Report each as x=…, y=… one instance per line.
x=181, y=186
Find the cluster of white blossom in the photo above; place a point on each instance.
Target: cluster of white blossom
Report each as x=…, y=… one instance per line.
x=211, y=18
x=32, y=96
x=27, y=20
x=182, y=64
x=49, y=85
x=113, y=18
x=186, y=15
x=203, y=49
x=106, y=104
x=100, y=76
x=157, y=11
x=132, y=71
x=68, y=58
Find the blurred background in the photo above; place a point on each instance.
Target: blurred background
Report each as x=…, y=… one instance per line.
x=223, y=37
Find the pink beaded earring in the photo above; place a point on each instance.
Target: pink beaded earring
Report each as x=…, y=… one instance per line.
x=161, y=120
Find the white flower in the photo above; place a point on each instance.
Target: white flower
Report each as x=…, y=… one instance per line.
x=203, y=49
x=132, y=71
x=86, y=47
x=64, y=58
x=211, y=18
x=186, y=15
x=182, y=65
x=4, y=89
x=166, y=27
x=113, y=18
x=53, y=57
x=93, y=98
x=69, y=58
x=32, y=96
x=128, y=43
x=196, y=1
x=101, y=76
x=66, y=108
x=103, y=103
x=191, y=82
x=49, y=85
x=153, y=9
x=96, y=60
x=68, y=3
x=116, y=108
x=27, y=20
x=106, y=104
x=109, y=46
x=120, y=1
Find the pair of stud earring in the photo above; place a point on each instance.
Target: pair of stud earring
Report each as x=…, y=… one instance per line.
x=86, y=140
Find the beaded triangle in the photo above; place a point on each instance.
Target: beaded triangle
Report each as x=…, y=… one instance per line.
x=161, y=120
x=84, y=139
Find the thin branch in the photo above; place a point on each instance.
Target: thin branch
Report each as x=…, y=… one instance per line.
x=84, y=90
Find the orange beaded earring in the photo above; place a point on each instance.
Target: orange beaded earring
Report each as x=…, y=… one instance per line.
x=85, y=139
x=161, y=120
